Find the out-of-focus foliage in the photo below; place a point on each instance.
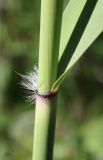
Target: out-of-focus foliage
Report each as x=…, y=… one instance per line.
x=79, y=129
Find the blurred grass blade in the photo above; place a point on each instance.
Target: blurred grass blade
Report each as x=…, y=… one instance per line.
x=93, y=29
x=70, y=17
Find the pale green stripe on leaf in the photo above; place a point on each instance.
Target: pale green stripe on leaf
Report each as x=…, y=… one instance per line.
x=93, y=30
x=70, y=17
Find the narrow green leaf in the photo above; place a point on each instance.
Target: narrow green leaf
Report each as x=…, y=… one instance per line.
x=70, y=17
x=75, y=36
x=93, y=29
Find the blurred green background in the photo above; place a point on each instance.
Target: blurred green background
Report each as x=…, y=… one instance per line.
x=79, y=129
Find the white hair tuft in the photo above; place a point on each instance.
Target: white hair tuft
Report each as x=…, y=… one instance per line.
x=29, y=83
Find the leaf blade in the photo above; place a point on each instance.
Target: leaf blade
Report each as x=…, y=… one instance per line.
x=75, y=36
x=71, y=13
x=93, y=30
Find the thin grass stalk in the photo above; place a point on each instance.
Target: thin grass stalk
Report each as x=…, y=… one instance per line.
x=45, y=112
x=45, y=118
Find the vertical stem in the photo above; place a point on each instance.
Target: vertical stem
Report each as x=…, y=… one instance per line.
x=50, y=27
x=45, y=118
x=45, y=113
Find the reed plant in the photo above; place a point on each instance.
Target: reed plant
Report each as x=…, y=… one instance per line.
x=64, y=36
